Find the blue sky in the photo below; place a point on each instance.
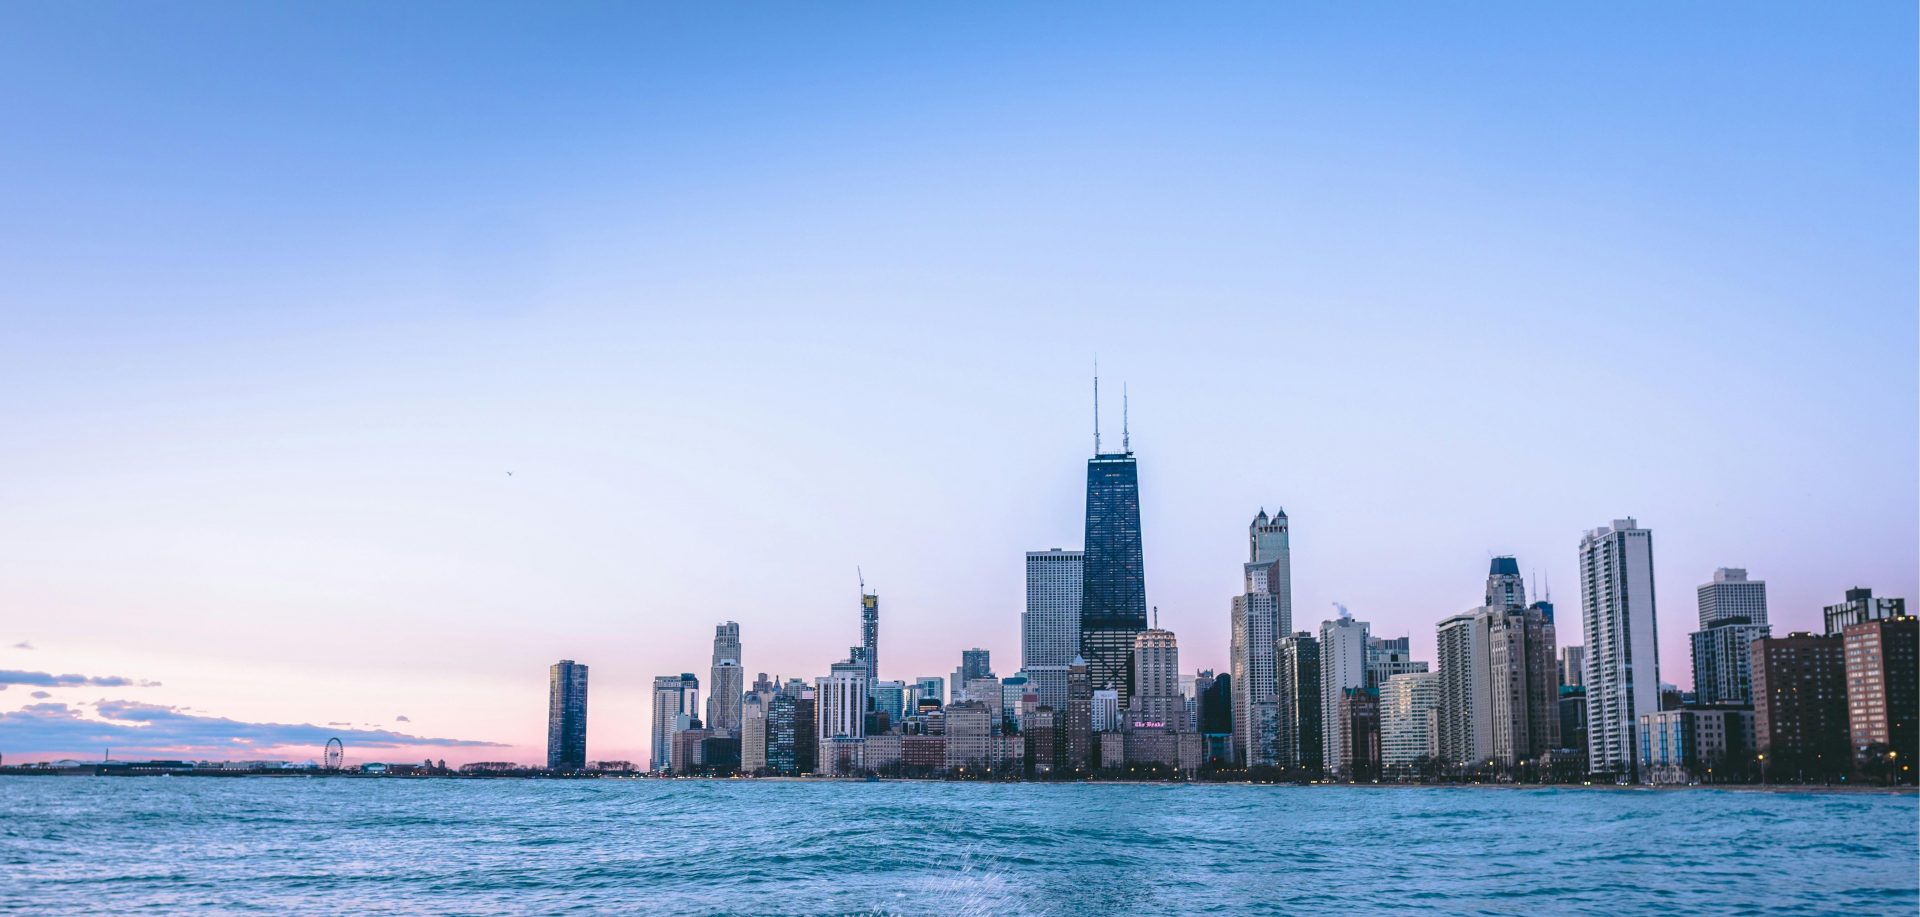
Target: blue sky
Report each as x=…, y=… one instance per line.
x=745, y=296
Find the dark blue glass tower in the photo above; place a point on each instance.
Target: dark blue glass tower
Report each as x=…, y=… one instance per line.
x=1113, y=604
x=567, y=716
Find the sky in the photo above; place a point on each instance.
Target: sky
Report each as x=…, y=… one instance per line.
x=746, y=296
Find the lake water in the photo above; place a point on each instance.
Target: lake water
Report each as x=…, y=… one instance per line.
x=280, y=846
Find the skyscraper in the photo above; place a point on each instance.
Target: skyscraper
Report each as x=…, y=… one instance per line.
x=674, y=696
x=1883, y=695
x=1623, y=656
x=1407, y=706
x=1299, y=739
x=1157, y=701
x=870, y=631
x=1079, y=718
x=1050, y=626
x=842, y=699
x=1343, y=665
x=1113, y=599
x=1732, y=595
x=1800, y=706
x=726, y=681
x=931, y=687
x=1262, y=614
x=567, y=716
x=1523, y=682
x=1861, y=607
x=1465, y=729
x=975, y=664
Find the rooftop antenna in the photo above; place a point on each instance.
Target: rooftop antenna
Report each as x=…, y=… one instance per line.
x=1156, y=617
x=863, y=579
x=1096, y=405
x=1126, y=438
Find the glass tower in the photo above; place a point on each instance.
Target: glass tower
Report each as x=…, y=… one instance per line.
x=567, y=716
x=1113, y=600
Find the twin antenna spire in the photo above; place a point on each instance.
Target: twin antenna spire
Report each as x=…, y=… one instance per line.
x=1126, y=436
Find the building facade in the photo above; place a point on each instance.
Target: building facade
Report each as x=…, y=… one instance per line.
x=1157, y=700
x=870, y=632
x=1883, y=696
x=1800, y=707
x=674, y=696
x=1299, y=736
x=1050, y=626
x=1731, y=595
x=1390, y=656
x=1409, y=704
x=1464, y=732
x=842, y=696
x=1623, y=655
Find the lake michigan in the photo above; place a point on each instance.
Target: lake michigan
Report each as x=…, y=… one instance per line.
x=394, y=846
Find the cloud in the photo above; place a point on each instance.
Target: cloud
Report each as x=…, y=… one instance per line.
x=45, y=680
x=40, y=695
x=402, y=718
x=23, y=645
x=56, y=728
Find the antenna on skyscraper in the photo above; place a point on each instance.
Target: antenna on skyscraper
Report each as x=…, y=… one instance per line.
x=1126, y=438
x=1156, y=617
x=863, y=578
x=1096, y=405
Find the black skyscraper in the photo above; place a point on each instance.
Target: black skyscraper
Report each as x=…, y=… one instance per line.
x=1113, y=604
x=567, y=716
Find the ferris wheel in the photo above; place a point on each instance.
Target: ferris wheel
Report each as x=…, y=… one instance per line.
x=336, y=754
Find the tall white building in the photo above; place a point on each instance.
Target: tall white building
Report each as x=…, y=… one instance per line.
x=1732, y=595
x=726, y=681
x=841, y=700
x=1343, y=665
x=1408, y=704
x=1050, y=627
x=1623, y=655
x=753, y=733
x=1465, y=731
x=1262, y=615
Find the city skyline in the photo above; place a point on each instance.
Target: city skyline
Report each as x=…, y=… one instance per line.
x=349, y=405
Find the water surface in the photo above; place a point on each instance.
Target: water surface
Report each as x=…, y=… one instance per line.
x=277, y=846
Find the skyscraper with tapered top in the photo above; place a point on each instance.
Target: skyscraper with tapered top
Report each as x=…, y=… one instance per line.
x=1113, y=599
x=726, y=680
x=1262, y=615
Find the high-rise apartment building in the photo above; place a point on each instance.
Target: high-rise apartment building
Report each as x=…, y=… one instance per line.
x=1883, y=695
x=726, y=681
x=1408, y=703
x=842, y=696
x=1722, y=673
x=1113, y=598
x=1800, y=706
x=1343, y=665
x=1623, y=655
x=1523, y=684
x=674, y=696
x=1359, y=735
x=1157, y=700
x=1299, y=736
x=1861, y=607
x=1732, y=595
x=1464, y=734
x=1262, y=615
x=783, y=734
x=1050, y=626
x=567, y=716
x=974, y=664
x=753, y=733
